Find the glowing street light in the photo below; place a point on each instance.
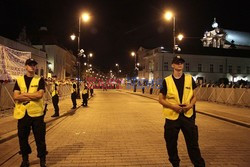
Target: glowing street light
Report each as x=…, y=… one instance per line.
x=73, y=37
x=180, y=37
x=133, y=54
x=85, y=17
x=168, y=15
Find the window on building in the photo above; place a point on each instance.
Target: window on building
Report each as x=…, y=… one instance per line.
x=230, y=69
x=165, y=67
x=36, y=72
x=199, y=68
x=239, y=69
x=187, y=67
x=41, y=72
x=211, y=68
x=221, y=68
x=248, y=69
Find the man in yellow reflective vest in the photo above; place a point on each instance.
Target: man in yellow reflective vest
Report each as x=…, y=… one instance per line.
x=73, y=93
x=55, y=95
x=85, y=95
x=177, y=96
x=29, y=110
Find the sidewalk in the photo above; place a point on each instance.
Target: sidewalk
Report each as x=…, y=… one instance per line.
x=234, y=114
x=8, y=124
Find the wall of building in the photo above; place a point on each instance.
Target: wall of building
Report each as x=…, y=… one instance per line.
x=61, y=61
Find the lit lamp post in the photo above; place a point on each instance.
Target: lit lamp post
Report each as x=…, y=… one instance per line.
x=134, y=55
x=118, y=70
x=168, y=16
x=85, y=17
x=89, y=56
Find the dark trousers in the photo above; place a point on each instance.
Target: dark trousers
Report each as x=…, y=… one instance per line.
x=73, y=98
x=39, y=130
x=91, y=92
x=55, y=101
x=190, y=132
x=85, y=99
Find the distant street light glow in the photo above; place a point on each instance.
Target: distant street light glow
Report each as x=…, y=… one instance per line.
x=73, y=37
x=168, y=15
x=85, y=17
x=133, y=54
x=180, y=37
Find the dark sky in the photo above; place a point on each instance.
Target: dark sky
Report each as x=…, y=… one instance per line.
x=120, y=26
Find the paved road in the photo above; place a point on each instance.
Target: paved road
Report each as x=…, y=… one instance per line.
x=121, y=129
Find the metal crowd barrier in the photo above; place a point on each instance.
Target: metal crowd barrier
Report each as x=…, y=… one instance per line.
x=232, y=96
x=6, y=94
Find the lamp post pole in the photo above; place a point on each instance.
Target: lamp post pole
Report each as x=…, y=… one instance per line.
x=174, y=35
x=134, y=55
x=84, y=17
x=118, y=69
x=78, y=58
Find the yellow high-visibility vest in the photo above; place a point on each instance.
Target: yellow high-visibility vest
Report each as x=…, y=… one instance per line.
x=34, y=108
x=173, y=97
x=84, y=91
x=53, y=88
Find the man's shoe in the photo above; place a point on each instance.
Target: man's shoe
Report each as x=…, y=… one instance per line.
x=55, y=115
x=73, y=108
x=42, y=162
x=25, y=164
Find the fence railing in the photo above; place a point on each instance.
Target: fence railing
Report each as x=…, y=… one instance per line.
x=6, y=94
x=232, y=96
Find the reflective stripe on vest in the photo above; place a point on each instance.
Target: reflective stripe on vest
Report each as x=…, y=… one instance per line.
x=54, y=89
x=84, y=91
x=173, y=97
x=34, y=107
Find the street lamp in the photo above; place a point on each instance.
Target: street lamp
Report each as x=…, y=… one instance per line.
x=117, y=65
x=168, y=16
x=85, y=17
x=133, y=54
x=89, y=56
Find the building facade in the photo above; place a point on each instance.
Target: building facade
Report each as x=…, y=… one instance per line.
x=209, y=68
x=61, y=62
x=224, y=54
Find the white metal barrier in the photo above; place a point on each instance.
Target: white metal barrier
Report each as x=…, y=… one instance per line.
x=233, y=96
x=6, y=94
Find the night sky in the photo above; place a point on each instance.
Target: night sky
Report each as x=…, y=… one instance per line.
x=120, y=26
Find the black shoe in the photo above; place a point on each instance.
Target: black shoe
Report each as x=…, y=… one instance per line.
x=42, y=162
x=55, y=115
x=73, y=108
x=25, y=164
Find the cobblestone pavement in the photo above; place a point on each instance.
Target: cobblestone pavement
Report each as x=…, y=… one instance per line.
x=121, y=129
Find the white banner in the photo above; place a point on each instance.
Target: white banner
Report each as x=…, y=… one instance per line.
x=12, y=63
